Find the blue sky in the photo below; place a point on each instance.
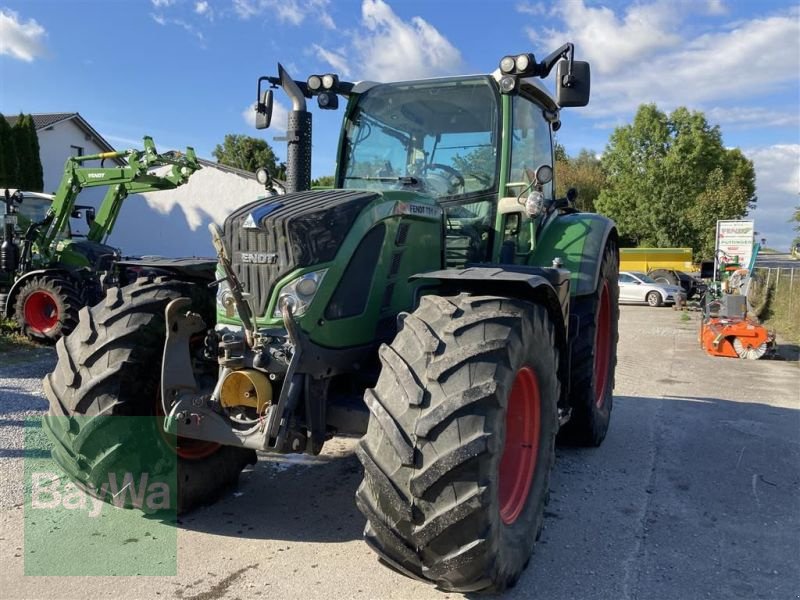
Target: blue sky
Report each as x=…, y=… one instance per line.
x=184, y=71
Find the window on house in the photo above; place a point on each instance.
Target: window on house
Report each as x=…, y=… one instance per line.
x=77, y=151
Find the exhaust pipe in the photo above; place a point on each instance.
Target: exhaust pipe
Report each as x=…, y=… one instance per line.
x=298, y=137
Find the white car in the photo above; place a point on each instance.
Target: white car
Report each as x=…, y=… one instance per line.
x=635, y=286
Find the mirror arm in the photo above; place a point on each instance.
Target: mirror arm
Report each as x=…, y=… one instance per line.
x=566, y=51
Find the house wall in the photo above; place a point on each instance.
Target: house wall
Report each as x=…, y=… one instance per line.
x=175, y=222
x=54, y=149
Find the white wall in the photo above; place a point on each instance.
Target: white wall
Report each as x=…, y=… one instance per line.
x=175, y=222
x=54, y=150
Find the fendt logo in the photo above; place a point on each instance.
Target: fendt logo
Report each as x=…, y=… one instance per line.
x=258, y=258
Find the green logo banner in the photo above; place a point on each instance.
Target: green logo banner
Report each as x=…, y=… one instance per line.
x=93, y=506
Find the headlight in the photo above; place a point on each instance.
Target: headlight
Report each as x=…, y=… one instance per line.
x=300, y=292
x=225, y=300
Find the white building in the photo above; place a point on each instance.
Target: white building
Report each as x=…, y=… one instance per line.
x=168, y=223
x=175, y=222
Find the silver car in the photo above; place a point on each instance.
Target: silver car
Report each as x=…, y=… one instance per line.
x=635, y=286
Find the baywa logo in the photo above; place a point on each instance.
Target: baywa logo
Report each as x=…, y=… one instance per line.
x=52, y=491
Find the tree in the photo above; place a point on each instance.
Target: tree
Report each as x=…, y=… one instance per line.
x=324, y=181
x=24, y=150
x=669, y=178
x=796, y=220
x=248, y=154
x=584, y=173
x=36, y=183
x=8, y=155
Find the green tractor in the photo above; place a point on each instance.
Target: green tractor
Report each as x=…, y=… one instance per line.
x=47, y=271
x=441, y=303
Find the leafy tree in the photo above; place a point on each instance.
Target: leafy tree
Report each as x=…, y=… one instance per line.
x=584, y=173
x=324, y=181
x=796, y=220
x=249, y=154
x=669, y=178
x=8, y=155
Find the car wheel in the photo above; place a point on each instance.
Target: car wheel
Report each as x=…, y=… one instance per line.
x=654, y=299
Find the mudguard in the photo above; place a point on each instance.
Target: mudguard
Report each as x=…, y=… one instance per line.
x=546, y=286
x=578, y=240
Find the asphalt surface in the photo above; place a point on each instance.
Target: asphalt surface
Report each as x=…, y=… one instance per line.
x=694, y=494
x=782, y=261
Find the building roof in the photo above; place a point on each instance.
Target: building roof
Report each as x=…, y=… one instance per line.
x=44, y=120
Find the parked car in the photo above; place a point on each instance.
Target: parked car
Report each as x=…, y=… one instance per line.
x=635, y=286
x=691, y=285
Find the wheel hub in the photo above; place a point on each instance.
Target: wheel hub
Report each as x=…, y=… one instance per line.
x=41, y=311
x=523, y=427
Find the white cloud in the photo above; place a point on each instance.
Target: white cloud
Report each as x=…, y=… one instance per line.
x=280, y=117
x=160, y=19
x=334, y=59
x=203, y=8
x=162, y=3
x=23, y=41
x=777, y=187
x=612, y=43
x=386, y=48
x=531, y=8
x=293, y=12
x=641, y=57
x=749, y=117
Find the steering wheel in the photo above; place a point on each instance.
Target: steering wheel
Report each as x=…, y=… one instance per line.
x=454, y=179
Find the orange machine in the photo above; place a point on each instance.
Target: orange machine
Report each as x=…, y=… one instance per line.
x=735, y=337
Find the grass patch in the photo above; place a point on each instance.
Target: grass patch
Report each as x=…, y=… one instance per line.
x=11, y=339
x=778, y=298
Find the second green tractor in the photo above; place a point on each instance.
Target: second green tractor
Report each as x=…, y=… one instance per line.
x=441, y=303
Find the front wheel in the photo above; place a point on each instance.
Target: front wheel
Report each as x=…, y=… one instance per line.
x=654, y=299
x=105, y=419
x=460, y=443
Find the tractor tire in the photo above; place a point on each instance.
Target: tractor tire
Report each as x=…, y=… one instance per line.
x=46, y=308
x=654, y=299
x=109, y=369
x=594, y=357
x=460, y=443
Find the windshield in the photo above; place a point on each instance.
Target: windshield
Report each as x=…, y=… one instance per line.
x=33, y=209
x=439, y=137
x=645, y=278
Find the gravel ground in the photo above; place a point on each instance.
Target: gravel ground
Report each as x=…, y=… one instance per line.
x=694, y=494
x=21, y=397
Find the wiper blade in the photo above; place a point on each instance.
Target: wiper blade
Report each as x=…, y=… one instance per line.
x=406, y=180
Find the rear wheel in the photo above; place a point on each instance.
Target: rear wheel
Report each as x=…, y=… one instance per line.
x=654, y=299
x=109, y=369
x=594, y=356
x=46, y=307
x=458, y=452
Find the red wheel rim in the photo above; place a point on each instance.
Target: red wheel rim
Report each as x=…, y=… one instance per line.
x=602, y=347
x=518, y=463
x=41, y=311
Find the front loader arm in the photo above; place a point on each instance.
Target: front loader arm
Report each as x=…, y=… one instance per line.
x=135, y=177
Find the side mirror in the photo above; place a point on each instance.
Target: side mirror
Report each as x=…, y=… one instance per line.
x=572, y=90
x=572, y=195
x=90, y=216
x=76, y=213
x=264, y=110
x=544, y=174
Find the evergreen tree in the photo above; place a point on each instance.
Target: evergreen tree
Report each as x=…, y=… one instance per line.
x=37, y=173
x=8, y=155
x=24, y=151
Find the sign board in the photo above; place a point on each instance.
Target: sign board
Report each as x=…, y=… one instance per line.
x=735, y=240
